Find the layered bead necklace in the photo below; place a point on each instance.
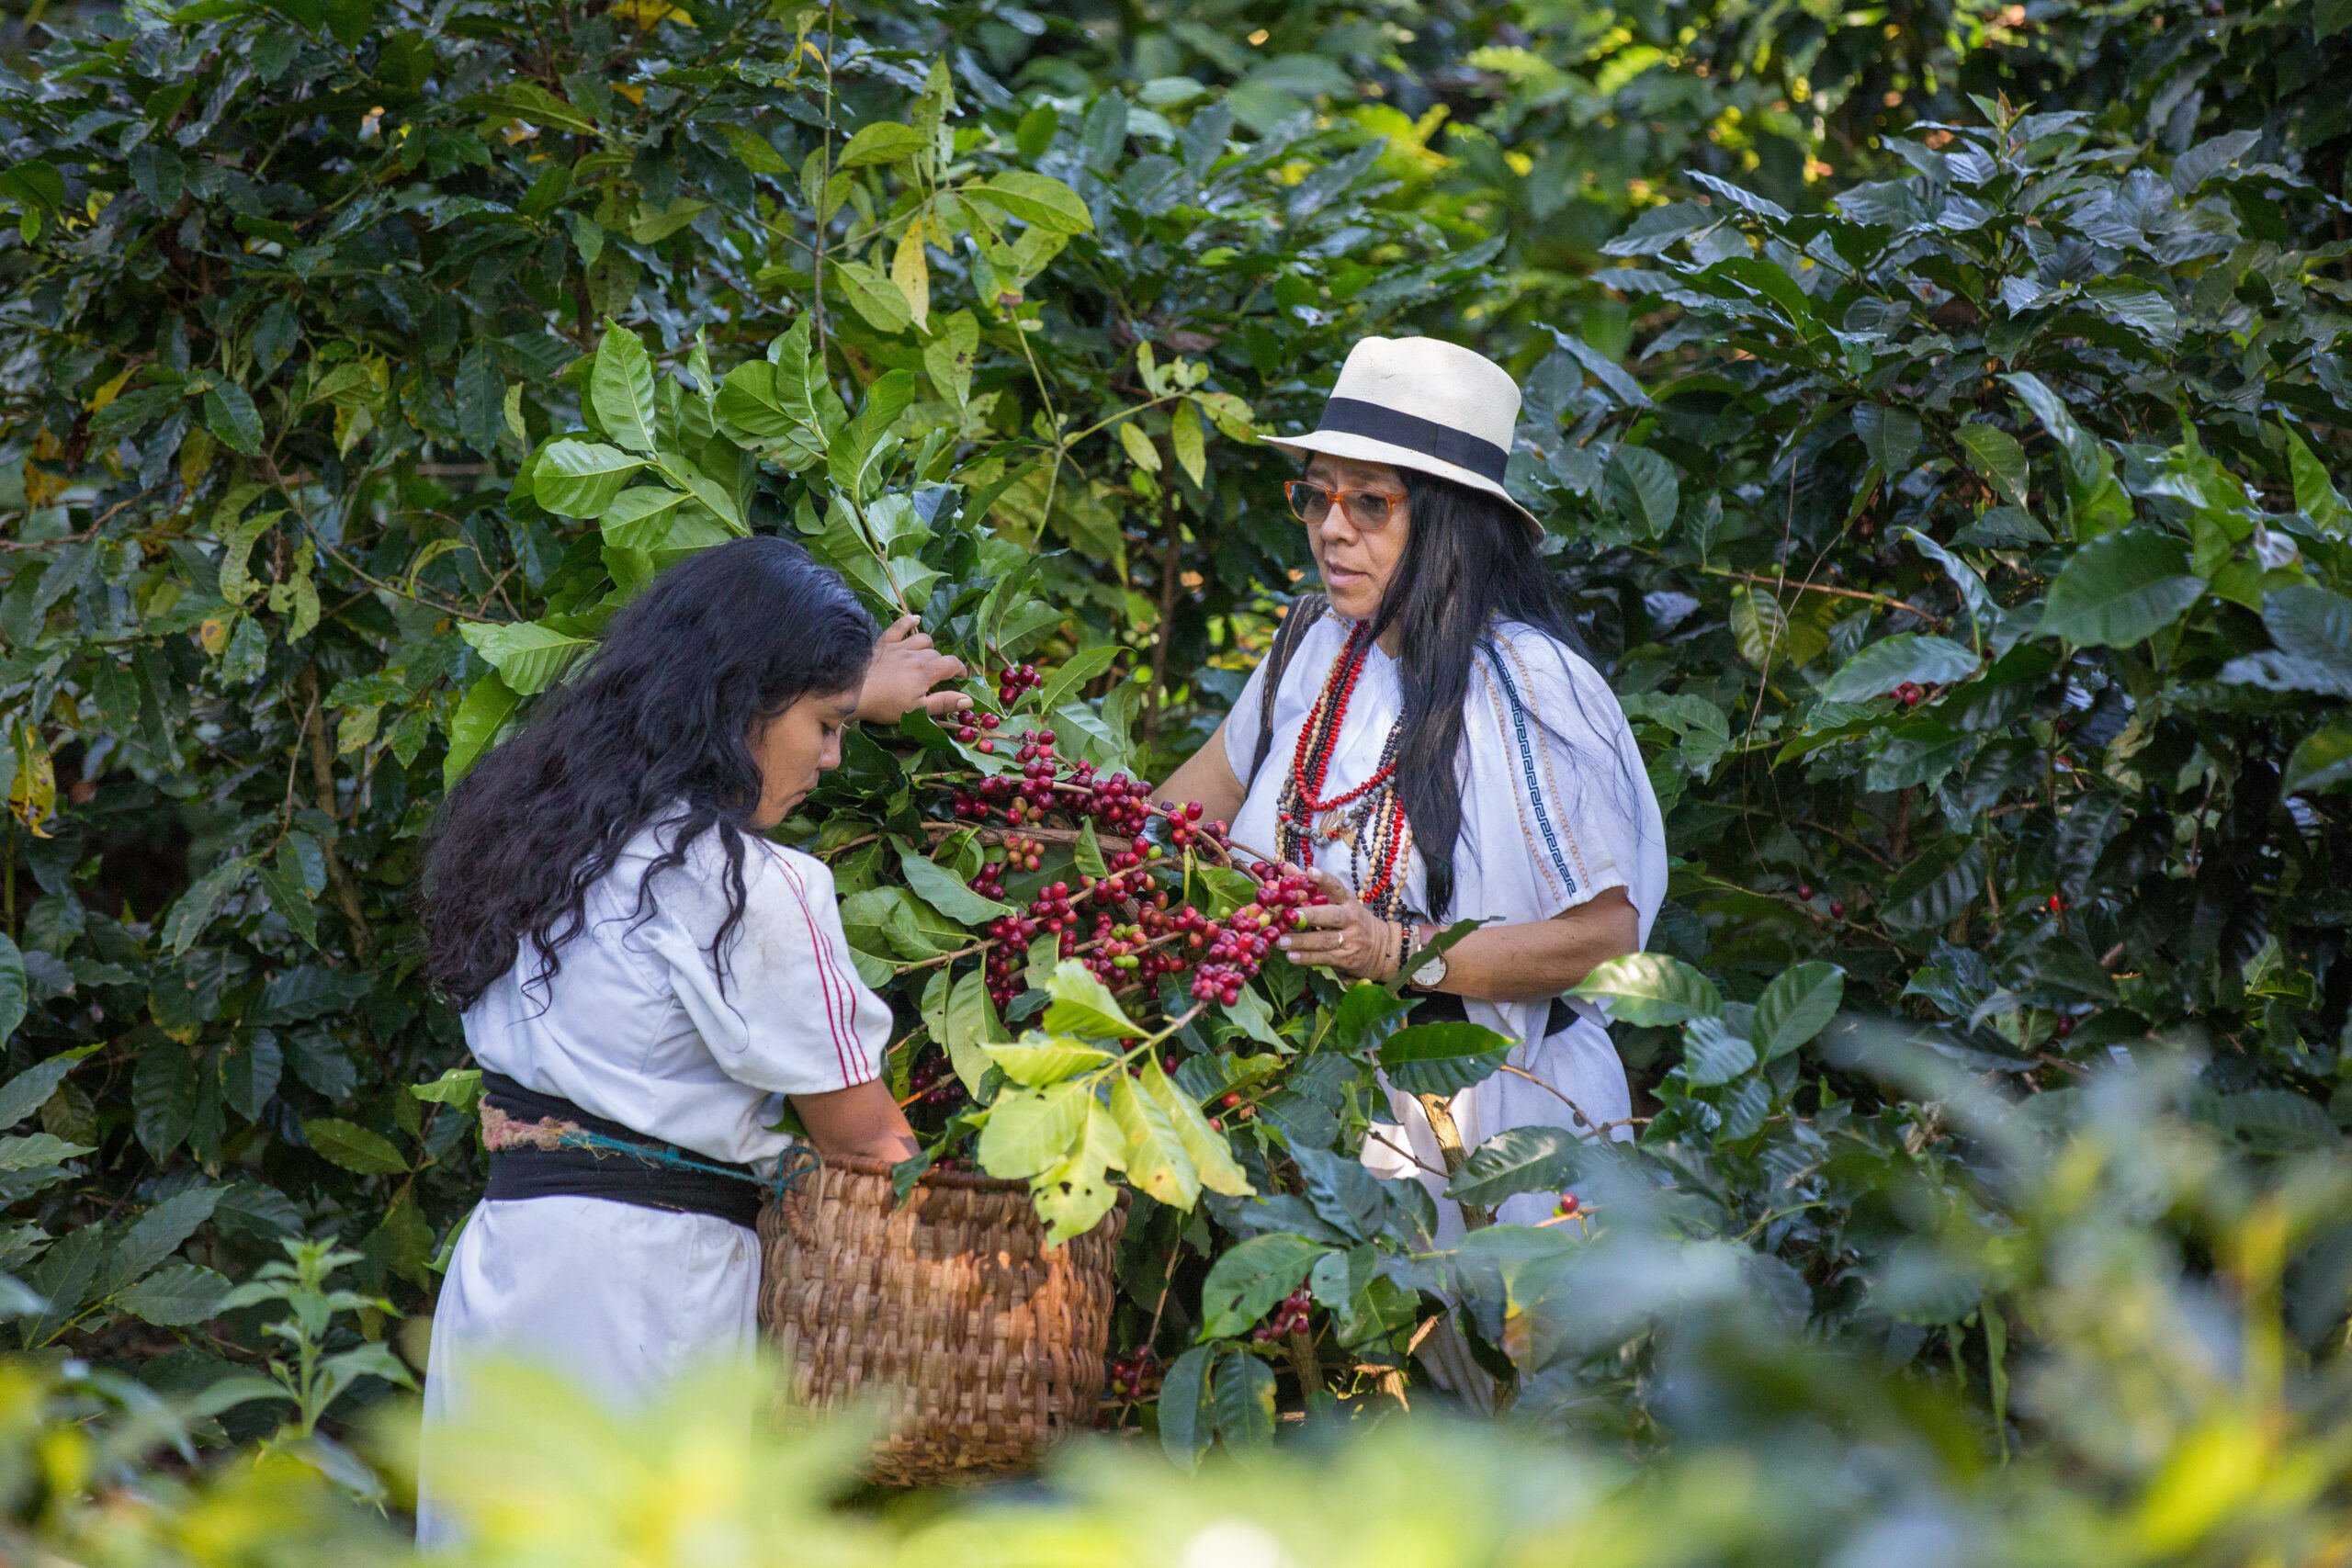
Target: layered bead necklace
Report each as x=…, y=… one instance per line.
x=1368, y=818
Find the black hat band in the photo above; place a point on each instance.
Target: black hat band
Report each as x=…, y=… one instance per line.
x=1352, y=416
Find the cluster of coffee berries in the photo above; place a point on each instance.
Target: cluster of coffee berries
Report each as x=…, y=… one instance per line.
x=1908, y=693
x=1185, y=827
x=1014, y=680
x=1237, y=946
x=970, y=733
x=933, y=1082
x=1568, y=1207
x=1135, y=1375
x=1289, y=1315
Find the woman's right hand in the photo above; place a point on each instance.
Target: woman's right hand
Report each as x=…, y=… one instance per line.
x=906, y=666
x=861, y=1121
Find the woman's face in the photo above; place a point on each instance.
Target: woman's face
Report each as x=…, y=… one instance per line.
x=1358, y=563
x=793, y=747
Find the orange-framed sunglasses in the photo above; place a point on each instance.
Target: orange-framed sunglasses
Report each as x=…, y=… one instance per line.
x=1370, y=510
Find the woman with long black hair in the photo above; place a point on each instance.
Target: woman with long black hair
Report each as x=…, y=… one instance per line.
x=645, y=978
x=1429, y=740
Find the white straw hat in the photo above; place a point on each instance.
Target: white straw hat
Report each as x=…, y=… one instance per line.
x=1421, y=403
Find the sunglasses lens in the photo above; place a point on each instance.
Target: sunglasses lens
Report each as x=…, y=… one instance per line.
x=1308, y=502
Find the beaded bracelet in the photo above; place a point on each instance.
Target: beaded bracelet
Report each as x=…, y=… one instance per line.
x=1404, y=939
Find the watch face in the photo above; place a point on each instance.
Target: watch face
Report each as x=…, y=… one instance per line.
x=1430, y=970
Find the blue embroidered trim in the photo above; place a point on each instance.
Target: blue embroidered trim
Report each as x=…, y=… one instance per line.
x=1527, y=765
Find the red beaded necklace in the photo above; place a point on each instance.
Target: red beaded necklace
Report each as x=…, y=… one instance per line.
x=1303, y=800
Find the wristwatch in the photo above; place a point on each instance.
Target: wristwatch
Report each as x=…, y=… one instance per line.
x=1424, y=972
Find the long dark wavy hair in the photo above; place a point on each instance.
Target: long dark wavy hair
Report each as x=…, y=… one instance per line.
x=659, y=721
x=1470, y=561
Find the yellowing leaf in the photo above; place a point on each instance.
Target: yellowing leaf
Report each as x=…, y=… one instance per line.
x=1074, y=1194
x=1035, y=1062
x=1157, y=1161
x=1028, y=1130
x=1191, y=450
x=1140, y=451
x=911, y=270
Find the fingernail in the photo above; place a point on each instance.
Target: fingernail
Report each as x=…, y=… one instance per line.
x=1282, y=942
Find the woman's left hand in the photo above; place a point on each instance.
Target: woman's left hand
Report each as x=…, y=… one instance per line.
x=1343, y=936
x=906, y=667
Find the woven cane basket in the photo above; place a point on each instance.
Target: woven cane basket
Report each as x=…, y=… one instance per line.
x=982, y=1346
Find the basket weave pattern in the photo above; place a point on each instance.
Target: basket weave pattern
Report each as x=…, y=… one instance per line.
x=983, y=1346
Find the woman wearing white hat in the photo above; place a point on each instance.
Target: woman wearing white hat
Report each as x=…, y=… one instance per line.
x=1436, y=748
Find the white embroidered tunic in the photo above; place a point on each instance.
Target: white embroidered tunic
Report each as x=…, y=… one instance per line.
x=635, y=1027
x=1557, y=808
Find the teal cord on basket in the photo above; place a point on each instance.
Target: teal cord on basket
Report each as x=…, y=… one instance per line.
x=794, y=1163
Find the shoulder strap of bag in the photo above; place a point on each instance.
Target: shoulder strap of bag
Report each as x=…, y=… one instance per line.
x=1287, y=637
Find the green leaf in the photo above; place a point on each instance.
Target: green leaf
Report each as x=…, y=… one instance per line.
x=16, y=995
x=1244, y=1284
x=1891, y=436
x=1187, y=1418
x=203, y=903
x=1036, y=198
x=281, y=878
x=620, y=388
x=1440, y=1058
x=1651, y=989
x=2321, y=759
x=640, y=518
x=871, y=295
x=946, y=892
x=1080, y=667
x=354, y=1148
x=1796, y=1007
x=1713, y=1055
x=158, y=1232
x=581, y=479
x=1933, y=889
x=1088, y=852
x=2121, y=589
x=1028, y=1130
x=1248, y=1012
x=37, y=1149
x=948, y=357
x=884, y=141
x=163, y=1096
x=230, y=414
x=30, y=1089
x=1888, y=663
x=2315, y=495
x=459, y=1087
x=969, y=1022
x=1082, y=1005
x=1995, y=453
x=1036, y=1062
x=489, y=702
x=1244, y=1399
x=1518, y=1159
x=174, y=1296
x=1644, y=489
x=528, y=656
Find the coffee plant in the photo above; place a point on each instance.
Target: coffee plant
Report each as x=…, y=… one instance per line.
x=1958, y=508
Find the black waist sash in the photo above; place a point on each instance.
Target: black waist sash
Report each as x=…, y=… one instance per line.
x=722, y=1191
x=1445, y=1006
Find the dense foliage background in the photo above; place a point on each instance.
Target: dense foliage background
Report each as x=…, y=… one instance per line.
x=1941, y=415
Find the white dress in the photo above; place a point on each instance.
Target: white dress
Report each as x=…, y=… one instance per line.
x=1557, y=808
x=636, y=1027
